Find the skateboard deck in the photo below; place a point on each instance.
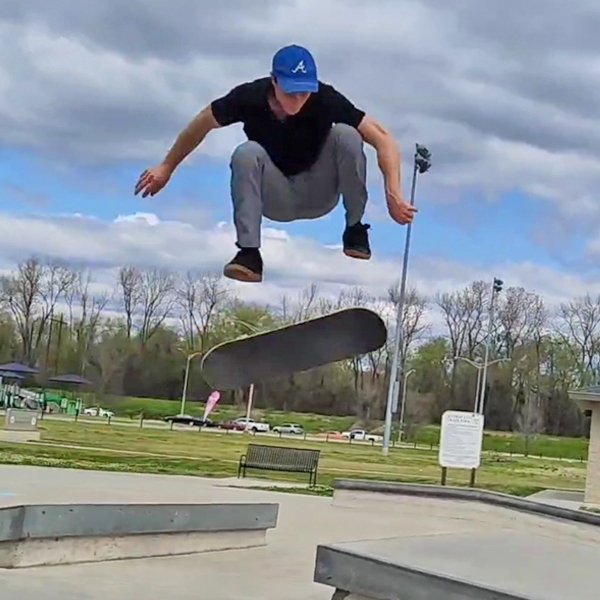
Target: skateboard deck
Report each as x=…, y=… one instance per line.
x=299, y=347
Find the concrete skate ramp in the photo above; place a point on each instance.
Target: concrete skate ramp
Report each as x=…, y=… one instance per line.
x=564, y=498
x=506, y=564
x=359, y=493
x=472, y=566
x=34, y=535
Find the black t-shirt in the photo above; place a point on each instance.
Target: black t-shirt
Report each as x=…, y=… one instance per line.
x=295, y=142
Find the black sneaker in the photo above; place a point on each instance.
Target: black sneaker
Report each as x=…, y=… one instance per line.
x=246, y=265
x=356, y=241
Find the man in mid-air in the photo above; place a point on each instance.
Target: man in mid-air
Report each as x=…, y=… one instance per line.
x=304, y=150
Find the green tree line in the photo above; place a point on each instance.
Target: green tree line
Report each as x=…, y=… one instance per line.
x=132, y=336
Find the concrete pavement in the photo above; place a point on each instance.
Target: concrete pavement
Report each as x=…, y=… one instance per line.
x=283, y=570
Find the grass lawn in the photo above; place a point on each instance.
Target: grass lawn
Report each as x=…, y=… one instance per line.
x=513, y=443
x=127, y=406
x=210, y=454
x=494, y=441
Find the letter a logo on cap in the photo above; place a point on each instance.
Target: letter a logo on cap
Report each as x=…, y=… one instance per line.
x=299, y=68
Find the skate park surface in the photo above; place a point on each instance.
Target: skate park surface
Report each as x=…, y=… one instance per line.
x=352, y=540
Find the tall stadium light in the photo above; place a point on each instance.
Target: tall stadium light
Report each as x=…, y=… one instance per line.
x=422, y=164
x=496, y=288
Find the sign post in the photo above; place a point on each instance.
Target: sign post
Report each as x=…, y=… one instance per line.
x=461, y=439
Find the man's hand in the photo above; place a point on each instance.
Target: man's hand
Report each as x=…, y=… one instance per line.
x=401, y=211
x=153, y=180
x=388, y=159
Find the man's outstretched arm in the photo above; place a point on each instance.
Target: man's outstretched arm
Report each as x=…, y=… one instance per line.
x=389, y=162
x=191, y=137
x=155, y=178
x=388, y=154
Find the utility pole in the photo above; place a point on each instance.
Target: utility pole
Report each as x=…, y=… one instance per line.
x=496, y=288
x=188, y=361
x=422, y=164
x=403, y=403
x=479, y=366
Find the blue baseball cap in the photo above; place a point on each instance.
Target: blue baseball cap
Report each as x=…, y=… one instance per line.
x=295, y=70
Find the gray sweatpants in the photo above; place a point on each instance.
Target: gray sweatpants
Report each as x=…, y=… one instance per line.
x=259, y=188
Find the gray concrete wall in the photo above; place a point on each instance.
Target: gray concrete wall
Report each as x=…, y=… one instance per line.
x=354, y=492
x=64, y=533
x=592, y=479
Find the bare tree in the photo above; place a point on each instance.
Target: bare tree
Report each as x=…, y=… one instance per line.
x=31, y=295
x=529, y=419
x=157, y=292
x=414, y=324
x=85, y=312
x=200, y=297
x=109, y=357
x=579, y=322
x=131, y=295
x=520, y=318
x=465, y=314
x=306, y=305
x=148, y=295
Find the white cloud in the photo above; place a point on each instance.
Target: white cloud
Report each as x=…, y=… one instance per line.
x=149, y=219
x=503, y=104
x=291, y=263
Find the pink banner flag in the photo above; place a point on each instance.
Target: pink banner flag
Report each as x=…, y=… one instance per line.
x=211, y=403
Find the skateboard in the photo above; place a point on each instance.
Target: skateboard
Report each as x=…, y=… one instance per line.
x=299, y=347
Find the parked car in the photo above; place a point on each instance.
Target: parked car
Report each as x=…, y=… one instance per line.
x=190, y=420
x=97, y=411
x=292, y=428
x=240, y=423
x=361, y=435
x=233, y=425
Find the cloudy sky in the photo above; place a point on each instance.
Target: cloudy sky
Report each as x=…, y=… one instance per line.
x=502, y=92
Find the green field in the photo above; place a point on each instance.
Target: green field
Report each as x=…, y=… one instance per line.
x=211, y=454
x=428, y=436
x=158, y=409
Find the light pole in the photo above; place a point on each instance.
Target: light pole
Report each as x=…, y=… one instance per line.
x=422, y=164
x=186, y=378
x=479, y=366
x=252, y=329
x=403, y=403
x=496, y=288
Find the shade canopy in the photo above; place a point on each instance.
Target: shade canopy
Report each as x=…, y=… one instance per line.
x=69, y=378
x=17, y=368
x=10, y=375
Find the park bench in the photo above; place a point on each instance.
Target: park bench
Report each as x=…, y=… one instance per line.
x=280, y=458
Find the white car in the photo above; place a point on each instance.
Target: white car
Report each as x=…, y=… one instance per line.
x=361, y=435
x=292, y=428
x=252, y=425
x=97, y=411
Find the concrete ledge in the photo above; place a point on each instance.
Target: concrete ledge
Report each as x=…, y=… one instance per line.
x=34, y=535
x=352, y=492
x=505, y=565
